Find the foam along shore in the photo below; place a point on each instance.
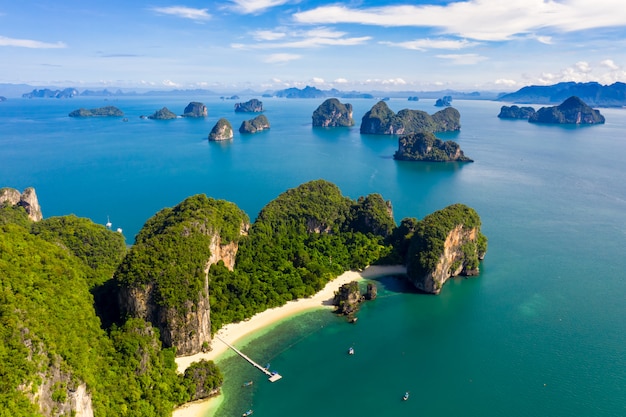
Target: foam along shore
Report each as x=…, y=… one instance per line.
x=237, y=331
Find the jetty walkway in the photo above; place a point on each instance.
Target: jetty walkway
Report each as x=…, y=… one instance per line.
x=273, y=376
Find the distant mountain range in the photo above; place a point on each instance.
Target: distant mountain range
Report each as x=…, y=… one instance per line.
x=592, y=93
x=18, y=90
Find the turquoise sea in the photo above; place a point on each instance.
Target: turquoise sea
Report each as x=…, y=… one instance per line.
x=541, y=331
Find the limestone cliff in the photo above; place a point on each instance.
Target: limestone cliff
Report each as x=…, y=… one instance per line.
x=381, y=120
x=164, y=278
x=333, y=113
x=516, y=112
x=163, y=114
x=571, y=111
x=255, y=125
x=250, y=106
x=446, y=243
x=27, y=199
x=221, y=131
x=424, y=146
x=195, y=109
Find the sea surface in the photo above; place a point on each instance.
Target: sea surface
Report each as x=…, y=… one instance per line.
x=541, y=331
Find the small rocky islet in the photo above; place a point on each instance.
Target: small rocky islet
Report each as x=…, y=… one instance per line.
x=571, y=111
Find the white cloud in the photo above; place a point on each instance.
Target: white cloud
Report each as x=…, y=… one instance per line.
x=169, y=83
x=583, y=67
x=488, y=20
x=317, y=80
x=308, y=39
x=184, y=12
x=267, y=35
x=463, y=59
x=608, y=63
x=255, y=6
x=506, y=83
x=28, y=43
x=425, y=44
x=281, y=58
x=341, y=81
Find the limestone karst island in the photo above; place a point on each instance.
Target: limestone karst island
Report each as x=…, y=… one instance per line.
x=92, y=327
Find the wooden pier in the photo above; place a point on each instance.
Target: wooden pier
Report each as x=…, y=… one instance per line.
x=273, y=376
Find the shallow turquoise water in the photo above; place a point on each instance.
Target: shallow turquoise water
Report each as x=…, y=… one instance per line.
x=540, y=332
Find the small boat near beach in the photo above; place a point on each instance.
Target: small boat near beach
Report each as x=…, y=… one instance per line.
x=247, y=413
x=406, y=396
x=247, y=383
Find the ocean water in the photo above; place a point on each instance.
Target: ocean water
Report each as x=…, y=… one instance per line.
x=541, y=331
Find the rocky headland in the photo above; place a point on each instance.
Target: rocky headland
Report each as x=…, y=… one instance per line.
x=445, y=244
x=27, y=199
x=255, y=125
x=381, y=120
x=195, y=109
x=250, y=106
x=203, y=232
x=571, y=111
x=424, y=146
x=515, y=112
x=222, y=130
x=107, y=111
x=333, y=113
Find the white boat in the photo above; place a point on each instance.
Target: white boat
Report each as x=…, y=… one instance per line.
x=351, y=351
x=109, y=224
x=247, y=413
x=406, y=396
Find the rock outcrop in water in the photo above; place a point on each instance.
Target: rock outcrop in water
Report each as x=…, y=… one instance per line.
x=424, y=146
x=222, y=130
x=163, y=114
x=444, y=101
x=27, y=199
x=333, y=113
x=255, y=125
x=515, y=112
x=195, y=109
x=445, y=244
x=250, y=106
x=571, y=111
x=107, y=111
x=381, y=120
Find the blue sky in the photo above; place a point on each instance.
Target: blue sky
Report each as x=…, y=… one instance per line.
x=273, y=44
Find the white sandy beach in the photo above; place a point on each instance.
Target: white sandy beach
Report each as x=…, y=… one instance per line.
x=236, y=331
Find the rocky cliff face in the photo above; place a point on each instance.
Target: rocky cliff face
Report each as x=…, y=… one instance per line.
x=221, y=131
x=381, y=120
x=188, y=327
x=426, y=147
x=195, y=109
x=250, y=106
x=450, y=262
x=255, y=125
x=446, y=243
x=27, y=199
x=333, y=113
x=515, y=112
x=164, y=277
x=571, y=111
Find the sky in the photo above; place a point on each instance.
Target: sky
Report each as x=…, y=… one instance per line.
x=360, y=45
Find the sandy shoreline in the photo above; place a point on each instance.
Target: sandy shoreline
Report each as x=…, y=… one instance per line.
x=236, y=331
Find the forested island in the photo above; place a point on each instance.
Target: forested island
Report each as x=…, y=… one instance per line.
x=90, y=324
x=381, y=120
x=107, y=111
